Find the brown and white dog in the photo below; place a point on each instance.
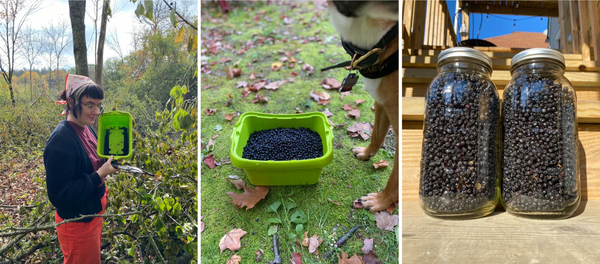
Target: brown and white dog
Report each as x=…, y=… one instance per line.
x=364, y=26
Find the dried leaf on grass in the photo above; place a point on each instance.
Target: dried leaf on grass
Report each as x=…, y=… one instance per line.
x=359, y=101
x=296, y=258
x=252, y=76
x=257, y=86
x=371, y=258
x=276, y=66
x=260, y=99
x=308, y=69
x=392, y=207
x=242, y=84
x=368, y=245
x=275, y=85
x=239, y=184
x=314, y=243
x=331, y=83
x=355, y=113
x=347, y=107
x=235, y=259
x=362, y=129
x=323, y=102
x=211, y=145
x=381, y=164
x=210, y=161
x=229, y=117
x=386, y=221
x=327, y=113
x=231, y=240
x=209, y=111
x=201, y=224
x=259, y=254
x=318, y=96
x=342, y=94
x=249, y=197
x=355, y=259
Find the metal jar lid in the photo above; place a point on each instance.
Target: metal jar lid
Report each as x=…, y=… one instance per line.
x=464, y=52
x=537, y=53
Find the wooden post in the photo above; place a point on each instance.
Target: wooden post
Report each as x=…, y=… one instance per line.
x=595, y=23
x=419, y=24
x=429, y=21
x=583, y=27
x=408, y=22
x=574, y=27
x=438, y=23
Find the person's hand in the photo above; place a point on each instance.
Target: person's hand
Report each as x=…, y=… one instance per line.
x=106, y=169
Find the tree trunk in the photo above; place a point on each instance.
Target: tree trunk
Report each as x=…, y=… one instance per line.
x=77, y=14
x=100, y=57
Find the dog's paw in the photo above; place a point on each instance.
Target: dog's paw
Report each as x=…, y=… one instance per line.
x=371, y=202
x=361, y=153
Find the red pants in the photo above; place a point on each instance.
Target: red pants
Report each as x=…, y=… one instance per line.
x=79, y=241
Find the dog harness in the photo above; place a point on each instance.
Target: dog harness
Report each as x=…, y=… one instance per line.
x=365, y=60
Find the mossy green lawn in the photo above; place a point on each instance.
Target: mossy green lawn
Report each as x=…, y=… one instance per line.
x=343, y=181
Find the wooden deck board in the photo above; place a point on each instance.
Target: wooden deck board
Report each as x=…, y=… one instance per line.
x=500, y=238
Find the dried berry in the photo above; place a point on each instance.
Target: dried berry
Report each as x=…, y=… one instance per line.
x=283, y=144
x=459, y=165
x=539, y=141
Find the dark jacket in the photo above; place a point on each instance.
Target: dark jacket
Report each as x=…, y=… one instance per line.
x=71, y=180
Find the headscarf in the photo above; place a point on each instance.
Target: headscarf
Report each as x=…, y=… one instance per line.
x=72, y=83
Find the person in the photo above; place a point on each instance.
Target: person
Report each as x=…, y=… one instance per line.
x=75, y=176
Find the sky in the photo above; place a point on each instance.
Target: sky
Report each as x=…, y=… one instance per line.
x=122, y=22
x=494, y=26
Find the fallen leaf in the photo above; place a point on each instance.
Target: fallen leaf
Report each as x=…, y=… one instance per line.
x=238, y=183
x=252, y=76
x=334, y=202
x=359, y=101
x=242, y=84
x=324, y=102
x=373, y=108
x=331, y=83
x=249, y=197
x=313, y=244
x=210, y=161
x=209, y=111
x=231, y=240
x=371, y=258
x=347, y=107
x=355, y=259
x=321, y=51
x=236, y=72
x=318, y=96
x=362, y=129
x=257, y=86
x=284, y=59
x=275, y=85
x=305, y=240
x=381, y=164
x=235, y=259
x=291, y=80
x=296, y=258
x=342, y=94
x=218, y=127
x=368, y=245
x=327, y=113
x=201, y=224
x=293, y=74
x=331, y=123
x=276, y=66
x=211, y=145
x=386, y=221
x=259, y=254
x=355, y=113
x=229, y=116
x=223, y=60
x=260, y=99
x=228, y=73
x=215, y=136
x=308, y=69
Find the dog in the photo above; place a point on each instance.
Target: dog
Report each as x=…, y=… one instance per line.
x=367, y=31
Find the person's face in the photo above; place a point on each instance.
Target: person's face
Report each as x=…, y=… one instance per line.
x=90, y=109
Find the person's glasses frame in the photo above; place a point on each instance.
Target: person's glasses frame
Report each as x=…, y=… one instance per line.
x=92, y=107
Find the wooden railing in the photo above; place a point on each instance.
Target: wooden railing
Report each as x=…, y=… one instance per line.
x=427, y=23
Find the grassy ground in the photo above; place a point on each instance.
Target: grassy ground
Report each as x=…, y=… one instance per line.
x=273, y=29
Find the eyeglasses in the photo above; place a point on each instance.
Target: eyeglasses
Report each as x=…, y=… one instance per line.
x=93, y=107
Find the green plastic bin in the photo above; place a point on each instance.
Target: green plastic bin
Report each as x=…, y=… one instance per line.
x=115, y=135
x=293, y=172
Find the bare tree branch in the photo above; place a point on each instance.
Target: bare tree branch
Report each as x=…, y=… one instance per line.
x=180, y=16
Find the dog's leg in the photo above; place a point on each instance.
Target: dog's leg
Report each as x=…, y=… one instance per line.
x=376, y=202
x=380, y=130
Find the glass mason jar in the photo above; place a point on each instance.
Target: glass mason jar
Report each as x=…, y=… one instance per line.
x=540, y=175
x=460, y=156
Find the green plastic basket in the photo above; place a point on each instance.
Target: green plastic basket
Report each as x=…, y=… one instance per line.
x=293, y=172
x=115, y=135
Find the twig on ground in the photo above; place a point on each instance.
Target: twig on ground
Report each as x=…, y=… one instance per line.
x=277, y=259
x=342, y=240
